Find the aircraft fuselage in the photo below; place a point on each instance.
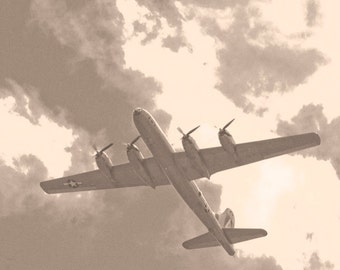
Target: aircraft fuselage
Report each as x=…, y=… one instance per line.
x=162, y=151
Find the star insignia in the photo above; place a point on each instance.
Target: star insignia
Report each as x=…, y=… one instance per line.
x=72, y=184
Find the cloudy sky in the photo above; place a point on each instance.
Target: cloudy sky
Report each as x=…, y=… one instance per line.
x=71, y=72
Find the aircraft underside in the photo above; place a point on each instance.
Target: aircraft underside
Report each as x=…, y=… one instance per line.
x=180, y=169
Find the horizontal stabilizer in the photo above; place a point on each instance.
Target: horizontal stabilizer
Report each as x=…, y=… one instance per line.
x=201, y=241
x=234, y=235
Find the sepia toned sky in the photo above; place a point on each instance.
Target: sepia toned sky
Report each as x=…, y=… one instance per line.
x=71, y=73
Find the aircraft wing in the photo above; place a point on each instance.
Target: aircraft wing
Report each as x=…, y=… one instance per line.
x=123, y=176
x=217, y=159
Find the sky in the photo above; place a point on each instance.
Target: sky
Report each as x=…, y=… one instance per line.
x=71, y=73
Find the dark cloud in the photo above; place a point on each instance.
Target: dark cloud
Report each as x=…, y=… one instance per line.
x=312, y=12
x=315, y=263
x=312, y=119
x=163, y=9
x=169, y=10
x=94, y=32
x=28, y=104
x=154, y=32
x=18, y=185
x=253, y=62
x=73, y=57
x=257, y=263
x=137, y=238
x=174, y=43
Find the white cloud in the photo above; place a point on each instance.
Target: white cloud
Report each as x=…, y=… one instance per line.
x=46, y=139
x=36, y=146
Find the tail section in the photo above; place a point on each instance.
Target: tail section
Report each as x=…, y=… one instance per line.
x=233, y=235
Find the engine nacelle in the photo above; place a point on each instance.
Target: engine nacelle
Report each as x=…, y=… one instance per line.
x=227, y=141
x=104, y=164
x=191, y=150
x=226, y=219
x=136, y=158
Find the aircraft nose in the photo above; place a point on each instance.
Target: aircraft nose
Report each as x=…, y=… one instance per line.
x=137, y=111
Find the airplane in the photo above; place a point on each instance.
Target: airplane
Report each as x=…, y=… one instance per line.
x=179, y=169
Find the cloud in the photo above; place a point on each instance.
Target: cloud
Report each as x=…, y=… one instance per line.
x=255, y=61
x=255, y=58
x=38, y=144
x=82, y=70
x=23, y=106
x=71, y=54
x=312, y=119
x=170, y=10
x=176, y=13
x=312, y=12
x=95, y=32
x=20, y=193
x=315, y=263
x=174, y=43
x=19, y=185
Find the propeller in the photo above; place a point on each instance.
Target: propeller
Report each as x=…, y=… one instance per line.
x=132, y=144
x=99, y=153
x=186, y=135
x=225, y=127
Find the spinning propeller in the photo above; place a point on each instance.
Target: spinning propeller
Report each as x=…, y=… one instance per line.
x=99, y=153
x=186, y=135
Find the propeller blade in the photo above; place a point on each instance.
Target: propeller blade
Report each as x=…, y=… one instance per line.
x=135, y=140
x=227, y=125
x=181, y=131
x=191, y=131
x=106, y=147
x=95, y=148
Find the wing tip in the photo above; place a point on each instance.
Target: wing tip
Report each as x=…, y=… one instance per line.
x=185, y=245
x=44, y=188
x=316, y=138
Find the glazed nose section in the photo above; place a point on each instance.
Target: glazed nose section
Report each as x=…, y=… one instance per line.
x=137, y=112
